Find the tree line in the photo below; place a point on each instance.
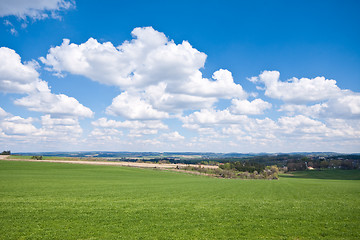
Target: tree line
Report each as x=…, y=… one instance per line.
x=6, y=152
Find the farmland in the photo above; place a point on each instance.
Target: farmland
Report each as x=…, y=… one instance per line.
x=69, y=201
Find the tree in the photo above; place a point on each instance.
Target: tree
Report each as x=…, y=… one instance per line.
x=6, y=153
x=324, y=164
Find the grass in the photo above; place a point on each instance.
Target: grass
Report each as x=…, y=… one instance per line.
x=54, y=158
x=40, y=200
x=326, y=174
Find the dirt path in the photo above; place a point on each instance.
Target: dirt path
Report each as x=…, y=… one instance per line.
x=127, y=164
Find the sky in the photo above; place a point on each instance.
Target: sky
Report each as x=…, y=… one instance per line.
x=194, y=76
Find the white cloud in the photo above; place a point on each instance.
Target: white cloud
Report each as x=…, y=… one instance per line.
x=138, y=133
x=331, y=130
x=313, y=110
x=13, y=31
x=317, y=97
x=164, y=77
x=159, y=79
x=255, y=107
x=15, y=125
x=149, y=124
x=106, y=136
x=148, y=58
x=54, y=134
x=253, y=130
x=212, y=116
x=344, y=129
x=136, y=129
x=46, y=120
x=295, y=133
x=3, y=113
x=38, y=9
x=345, y=106
x=301, y=124
x=158, y=97
x=53, y=129
x=18, y=119
x=60, y=128
x=223, y=86
x=16, y=77
x=133, y=107
x=105, y=132
x=44, y=101
x=99, y=62
x=297, y=90
x=172, y=137
x=222, y=128
x=8, y=23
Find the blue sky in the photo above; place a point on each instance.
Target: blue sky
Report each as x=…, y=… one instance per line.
x=234, y=76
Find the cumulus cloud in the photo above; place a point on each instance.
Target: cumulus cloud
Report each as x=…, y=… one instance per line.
x=160, y=79
x=135, y=128
x=297, y=90
x=303, y=127
x=61, y=128
x=346, y=106
x=212, y=116
x=15, y=125
x=317, y=97
x=247, y=133
x=105, y=132
x=46, y=134
x=302, y=124
x=223, y=86
x=56, y=104
x=106, y=136
x=3, y=113
x=38, y=9
x=133, y=107
x=172, y=136
x=162, y=100
x=149, y=124
x=231, y=130
x=52, y=129
x=255, y=107
x=164, y=76
x=16, y=77
x=312, y=110
x=150, y=57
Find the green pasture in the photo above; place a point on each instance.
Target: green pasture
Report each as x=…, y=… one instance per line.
x=52, y=158
x=40, y=200
x=44, y=157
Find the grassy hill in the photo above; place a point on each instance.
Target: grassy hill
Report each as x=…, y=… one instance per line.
x=69, y=201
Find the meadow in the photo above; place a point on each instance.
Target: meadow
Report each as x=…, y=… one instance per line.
x=25, y=157
x=40, y=200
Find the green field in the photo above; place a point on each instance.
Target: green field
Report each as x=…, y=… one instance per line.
x=51, y=158
x=40, y=200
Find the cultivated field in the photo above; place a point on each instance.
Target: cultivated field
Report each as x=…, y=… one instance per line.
x=100, y=161
x=41, y=200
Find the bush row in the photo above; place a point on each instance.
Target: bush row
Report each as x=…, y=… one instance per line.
x=269, y=172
